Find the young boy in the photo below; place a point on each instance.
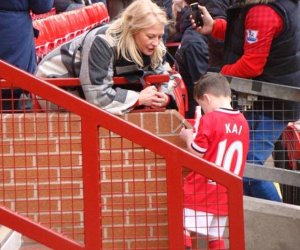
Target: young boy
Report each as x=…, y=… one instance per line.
x=222, y=138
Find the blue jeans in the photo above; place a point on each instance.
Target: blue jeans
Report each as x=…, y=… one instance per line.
x=264, y=132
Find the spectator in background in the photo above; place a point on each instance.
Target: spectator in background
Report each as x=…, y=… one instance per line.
x=197, y=53
x=67, y=5
x=167, y=5
x=262, y=42
x=217, y=9
x=192, y=55
x=130, y=46
x=17, y=38
x=98, y=1
x=226, y=145
x=116, y=6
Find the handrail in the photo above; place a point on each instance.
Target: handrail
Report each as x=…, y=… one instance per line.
x=151, y=79
x=180, y=95
x=266, y=89
x=74, y=82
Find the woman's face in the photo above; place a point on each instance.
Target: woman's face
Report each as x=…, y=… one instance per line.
x=148, y=39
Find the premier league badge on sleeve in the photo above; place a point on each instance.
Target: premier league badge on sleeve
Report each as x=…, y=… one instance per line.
x=251, y=36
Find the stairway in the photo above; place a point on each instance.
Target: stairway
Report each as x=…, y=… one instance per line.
x=9, y=239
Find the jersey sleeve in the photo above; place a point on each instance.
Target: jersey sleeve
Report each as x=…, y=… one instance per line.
x=219, y=29
x=262, y=25
x=201, y=141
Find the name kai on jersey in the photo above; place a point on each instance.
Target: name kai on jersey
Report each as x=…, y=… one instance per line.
x=233, y=128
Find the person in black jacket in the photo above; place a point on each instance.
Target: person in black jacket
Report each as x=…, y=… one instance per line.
x=17, y=39
x=97, y=1
x=67, y=5
x=197, y=54
x=191, y=57
x=217, y=9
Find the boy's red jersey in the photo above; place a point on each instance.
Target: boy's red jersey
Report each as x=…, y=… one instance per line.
x=223, y=138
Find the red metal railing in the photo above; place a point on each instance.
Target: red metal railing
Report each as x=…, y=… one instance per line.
x=91, y=119
x=179, y=91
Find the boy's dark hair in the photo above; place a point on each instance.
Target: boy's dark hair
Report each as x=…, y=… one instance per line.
x=212, y=83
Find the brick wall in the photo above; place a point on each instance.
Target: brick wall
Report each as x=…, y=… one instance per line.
x=41, y=176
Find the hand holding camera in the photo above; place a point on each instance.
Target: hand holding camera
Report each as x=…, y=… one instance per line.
x=201, y=19
x=196, y=14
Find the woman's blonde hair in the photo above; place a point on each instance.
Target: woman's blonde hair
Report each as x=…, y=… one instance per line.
x=139, y=15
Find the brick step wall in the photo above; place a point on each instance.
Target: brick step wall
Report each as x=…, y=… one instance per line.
x=43, y=177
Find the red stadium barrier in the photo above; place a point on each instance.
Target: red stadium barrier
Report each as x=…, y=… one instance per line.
x=291, y=142
x=179, y=93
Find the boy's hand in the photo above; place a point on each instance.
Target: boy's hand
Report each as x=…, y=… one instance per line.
x=186, y=134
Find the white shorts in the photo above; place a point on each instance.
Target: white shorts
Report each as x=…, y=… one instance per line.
x=204, y=223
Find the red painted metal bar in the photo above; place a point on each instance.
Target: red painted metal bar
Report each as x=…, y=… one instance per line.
x=65, y=82
x=175, y=201
x=71, y=82
x=36, y=231
x=91, y=175
x=21, y=79
x=235, y=206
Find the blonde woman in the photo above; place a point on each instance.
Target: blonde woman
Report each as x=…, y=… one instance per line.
x=130, y=46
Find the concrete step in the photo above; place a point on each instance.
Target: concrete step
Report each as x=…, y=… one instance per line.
x=9, y=239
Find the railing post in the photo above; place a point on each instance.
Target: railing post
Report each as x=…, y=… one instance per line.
x=174, y=201
x=91, y=185
x=236, y=222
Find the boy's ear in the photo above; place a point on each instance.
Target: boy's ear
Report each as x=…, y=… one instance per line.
x=206, y=97
x=197, y=99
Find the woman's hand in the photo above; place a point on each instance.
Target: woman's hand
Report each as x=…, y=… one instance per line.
x=152, y=98
x=208, y=22
x=160, y=100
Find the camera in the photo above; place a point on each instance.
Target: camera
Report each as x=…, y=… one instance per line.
x=196, y=14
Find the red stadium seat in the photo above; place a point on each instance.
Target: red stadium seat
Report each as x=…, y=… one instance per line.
x=55, y=29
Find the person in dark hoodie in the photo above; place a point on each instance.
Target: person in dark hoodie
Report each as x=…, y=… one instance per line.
x=191, y=56
x=17, y=37
x=67, y=5
x=197, y=54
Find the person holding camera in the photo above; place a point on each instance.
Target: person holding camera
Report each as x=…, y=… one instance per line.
x=197, y=53
x=262, y=42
